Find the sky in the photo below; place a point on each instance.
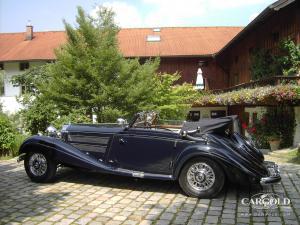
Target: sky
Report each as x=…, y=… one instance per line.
x=47, y=15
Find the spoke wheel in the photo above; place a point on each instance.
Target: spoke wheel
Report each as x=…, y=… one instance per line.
x=39, y=166
x=201, y=176
x=198, y=178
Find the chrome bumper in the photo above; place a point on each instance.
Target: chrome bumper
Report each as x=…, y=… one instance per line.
x=274, y=174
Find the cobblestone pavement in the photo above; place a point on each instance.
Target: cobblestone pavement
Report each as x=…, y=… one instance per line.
x=89, y=198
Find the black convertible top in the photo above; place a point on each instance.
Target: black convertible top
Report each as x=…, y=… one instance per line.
x=218, y=125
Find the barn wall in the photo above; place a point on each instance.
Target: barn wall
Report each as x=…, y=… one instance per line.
x=215, y=77
x=236, y=59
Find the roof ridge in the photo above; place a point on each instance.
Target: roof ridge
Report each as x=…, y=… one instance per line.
x=128, y=28
x=33, y=32
x=132, y=28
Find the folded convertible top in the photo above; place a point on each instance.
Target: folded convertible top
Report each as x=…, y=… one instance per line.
x=218, y=125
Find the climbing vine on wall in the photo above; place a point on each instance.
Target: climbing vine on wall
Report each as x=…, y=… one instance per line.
x=264, y=63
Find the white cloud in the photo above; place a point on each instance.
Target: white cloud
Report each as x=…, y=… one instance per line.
x=173, y=12
x=161, y=13
x=226, y=4
x=126, y=15
x=253, y=16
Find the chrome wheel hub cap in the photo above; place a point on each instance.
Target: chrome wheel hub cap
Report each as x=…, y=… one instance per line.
x=38, y=164
x=200, y=176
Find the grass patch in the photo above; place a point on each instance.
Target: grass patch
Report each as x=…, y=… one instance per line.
x=14, y=150
x=286, y=155
x=293, y=156
x=6, y=157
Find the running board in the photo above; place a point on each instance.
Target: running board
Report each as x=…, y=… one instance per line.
x=140, y=174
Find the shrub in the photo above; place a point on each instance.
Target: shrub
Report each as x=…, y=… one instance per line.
x=19, y=138
x=267, y=95
x=266, y=128
x=7, y=135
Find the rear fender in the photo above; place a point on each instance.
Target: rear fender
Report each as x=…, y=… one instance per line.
x=229, y=161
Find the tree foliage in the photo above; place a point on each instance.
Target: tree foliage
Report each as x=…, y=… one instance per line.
x=91, y=77
x=290, y=57
x=263, y=64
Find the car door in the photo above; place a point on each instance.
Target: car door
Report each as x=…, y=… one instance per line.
x=144, y=150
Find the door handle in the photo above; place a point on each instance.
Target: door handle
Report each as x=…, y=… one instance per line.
x=122, y=141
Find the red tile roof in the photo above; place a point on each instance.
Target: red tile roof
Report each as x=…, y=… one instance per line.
x=175, y=41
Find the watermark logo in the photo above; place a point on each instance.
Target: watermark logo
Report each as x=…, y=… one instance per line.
x=266, y=201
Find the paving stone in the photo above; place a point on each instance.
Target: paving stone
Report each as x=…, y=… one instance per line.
x=227, y=221
x=79, y=197
x=211, y=219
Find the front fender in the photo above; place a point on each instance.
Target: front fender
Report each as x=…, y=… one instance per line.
x=62, y=153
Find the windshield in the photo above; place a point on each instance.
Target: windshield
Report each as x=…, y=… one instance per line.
x=151, y=120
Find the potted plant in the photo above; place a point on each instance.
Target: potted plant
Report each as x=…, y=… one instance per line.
x=274, y=140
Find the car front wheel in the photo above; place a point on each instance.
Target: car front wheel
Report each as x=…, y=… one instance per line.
x=201, y=178
x=39, y=166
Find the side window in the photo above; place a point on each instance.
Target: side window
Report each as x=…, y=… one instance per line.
x=200, y=85
x=217, y=113
x=193, y=116
x=24, y=66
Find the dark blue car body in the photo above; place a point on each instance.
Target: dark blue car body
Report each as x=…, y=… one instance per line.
x=152, y=152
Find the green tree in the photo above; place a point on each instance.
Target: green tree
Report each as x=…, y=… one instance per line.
x=90, y=76
x=91, y=73
x=87, y=66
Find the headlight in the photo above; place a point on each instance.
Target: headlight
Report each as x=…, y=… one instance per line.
x=51, y=131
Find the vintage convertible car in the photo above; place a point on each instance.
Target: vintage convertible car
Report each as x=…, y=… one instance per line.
x=200, y=155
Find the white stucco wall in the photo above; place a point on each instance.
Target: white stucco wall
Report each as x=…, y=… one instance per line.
x=11, y=69
x=8, y=100
x=10, y=105
x=297, y=129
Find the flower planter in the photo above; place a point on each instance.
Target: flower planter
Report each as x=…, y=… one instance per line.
x=274, y=144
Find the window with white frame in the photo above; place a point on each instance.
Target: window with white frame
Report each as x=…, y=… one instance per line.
x=199, y=80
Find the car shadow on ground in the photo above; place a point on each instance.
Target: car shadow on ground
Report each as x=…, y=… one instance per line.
x=79, y=176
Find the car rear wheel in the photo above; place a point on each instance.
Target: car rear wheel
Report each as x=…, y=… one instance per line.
x=201, y=178
x=39, y=166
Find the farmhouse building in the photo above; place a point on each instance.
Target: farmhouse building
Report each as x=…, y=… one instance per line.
x=278, y=22
x=181, y=49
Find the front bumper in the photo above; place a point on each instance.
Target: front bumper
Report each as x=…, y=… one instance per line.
x=21, y=157
x=274, y=174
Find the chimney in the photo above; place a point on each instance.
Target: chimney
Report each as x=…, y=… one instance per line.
x=29, y=31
